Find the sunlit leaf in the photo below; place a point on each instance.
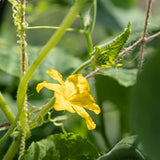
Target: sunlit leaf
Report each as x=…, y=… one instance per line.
x=61, y=147
x=105, y=55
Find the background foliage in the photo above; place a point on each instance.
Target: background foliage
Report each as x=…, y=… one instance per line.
x=112, y=87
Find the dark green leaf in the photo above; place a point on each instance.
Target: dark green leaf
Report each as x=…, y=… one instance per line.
x=109, y=90
x=87, y=15
x=57, y=59
x=127, y=149
x=61, y=147
x=125, y=77
x=145, y=107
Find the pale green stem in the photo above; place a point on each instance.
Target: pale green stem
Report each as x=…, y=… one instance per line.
x=54, y=27
x=13, y=149
x=89, y=42
x=84, y=65
x=42, y=113
x=6, y=109
x=88, y=34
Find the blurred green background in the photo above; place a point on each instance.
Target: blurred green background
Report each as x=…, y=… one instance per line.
x=111, y=88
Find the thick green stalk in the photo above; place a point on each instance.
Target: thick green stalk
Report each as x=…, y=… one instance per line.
x=6, y=109
x=42, y=113
x=13, y=149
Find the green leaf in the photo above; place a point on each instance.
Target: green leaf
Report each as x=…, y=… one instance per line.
x=127, y=149
x=87, y=15
x=107, y=89
x=105, y=55
x=145, y=107
x=125, y=77
x=57, y=59
x=61, y=147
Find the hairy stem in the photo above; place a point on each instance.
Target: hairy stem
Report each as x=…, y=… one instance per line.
x=13, y=149
x=144, y=34
x=93, y=73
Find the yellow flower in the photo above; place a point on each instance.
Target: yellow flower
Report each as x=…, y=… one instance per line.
x=72, y=95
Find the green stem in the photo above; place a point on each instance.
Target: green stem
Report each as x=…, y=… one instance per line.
x=84, y=65
x=13, y=149
x=42, y=113
x=6, y=109
x=89, y=42
x=54, y=27
x=88, y=34
x=11, y=127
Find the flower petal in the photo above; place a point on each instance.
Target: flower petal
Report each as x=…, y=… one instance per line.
x=55, y=75
x=75, y=84
x=62, y=104
x=81, y=111
x=51, y=86
x=85, y=100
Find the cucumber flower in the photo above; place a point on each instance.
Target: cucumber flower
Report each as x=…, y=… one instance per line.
x=72, y=95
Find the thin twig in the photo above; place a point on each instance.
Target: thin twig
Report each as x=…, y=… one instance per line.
x=93, y=73
x=5, y=124
x=152, y=36
x=144, y=34
x=123, y=53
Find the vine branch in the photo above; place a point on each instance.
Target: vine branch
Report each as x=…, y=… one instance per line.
x=144, y=34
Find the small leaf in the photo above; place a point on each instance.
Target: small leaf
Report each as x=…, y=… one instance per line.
x=87, y=15
x=125, y=77
x=61, y=147
x=127, y=149
x=105, y=55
